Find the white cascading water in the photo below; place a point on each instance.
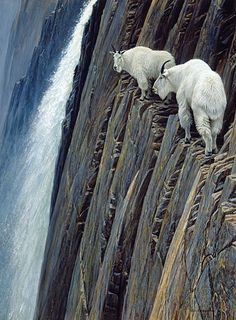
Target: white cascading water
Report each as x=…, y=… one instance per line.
x=35, y=178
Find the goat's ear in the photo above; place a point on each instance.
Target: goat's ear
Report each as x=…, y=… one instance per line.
x=121, y=52
x=112, y=52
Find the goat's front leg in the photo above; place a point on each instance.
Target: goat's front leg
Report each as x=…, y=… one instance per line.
x=216, y=126
x=185, y=119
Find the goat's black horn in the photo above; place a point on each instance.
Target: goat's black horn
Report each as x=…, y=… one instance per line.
x=113, y=48
x=163, y=66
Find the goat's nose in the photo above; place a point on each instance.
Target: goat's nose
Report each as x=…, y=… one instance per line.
x=115, y=68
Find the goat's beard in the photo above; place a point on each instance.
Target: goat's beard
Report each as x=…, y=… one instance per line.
x=162, y=95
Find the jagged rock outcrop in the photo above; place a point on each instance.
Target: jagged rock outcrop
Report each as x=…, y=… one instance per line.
x=142, y=226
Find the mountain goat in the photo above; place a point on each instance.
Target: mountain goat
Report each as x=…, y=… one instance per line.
x=197, y=87
x=142, y=63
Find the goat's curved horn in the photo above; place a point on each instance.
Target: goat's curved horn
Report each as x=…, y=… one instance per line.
x=113, y=48
x=163, y=66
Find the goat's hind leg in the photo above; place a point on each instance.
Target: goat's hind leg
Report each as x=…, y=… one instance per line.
x=203, y=127
x=216, y=126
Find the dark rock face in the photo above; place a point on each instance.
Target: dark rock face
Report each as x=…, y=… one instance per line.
x=89, y=40
x=143, y=226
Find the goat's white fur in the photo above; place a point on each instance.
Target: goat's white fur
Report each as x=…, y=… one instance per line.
x=143, y=64
x=197, y=87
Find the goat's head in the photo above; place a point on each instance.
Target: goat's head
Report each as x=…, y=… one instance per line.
x=118, y=59
x=162, y=85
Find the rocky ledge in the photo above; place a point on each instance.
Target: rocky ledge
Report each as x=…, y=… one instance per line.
x=143, y=226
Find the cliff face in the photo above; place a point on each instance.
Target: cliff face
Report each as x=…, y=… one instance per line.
x=142, y=226
x=28, y=92
x=21, y=38
x=7, y=16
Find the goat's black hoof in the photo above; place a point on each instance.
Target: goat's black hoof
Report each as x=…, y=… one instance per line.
x=187, y=141
x=208, y=154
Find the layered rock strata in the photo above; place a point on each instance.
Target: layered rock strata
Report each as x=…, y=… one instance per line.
x=142, y=226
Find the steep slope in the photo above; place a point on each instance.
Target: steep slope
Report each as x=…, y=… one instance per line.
x=143, y=226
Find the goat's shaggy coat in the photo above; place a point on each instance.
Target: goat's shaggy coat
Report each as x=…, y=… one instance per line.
x=143, y=64
x=197, y=87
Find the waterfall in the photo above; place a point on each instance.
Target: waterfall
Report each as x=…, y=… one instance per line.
x=26, y=205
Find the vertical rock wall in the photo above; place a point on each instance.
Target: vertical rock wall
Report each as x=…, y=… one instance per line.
x=142, y=226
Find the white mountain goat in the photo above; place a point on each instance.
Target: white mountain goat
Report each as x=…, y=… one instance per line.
x=197, y=87
x=142, y=63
